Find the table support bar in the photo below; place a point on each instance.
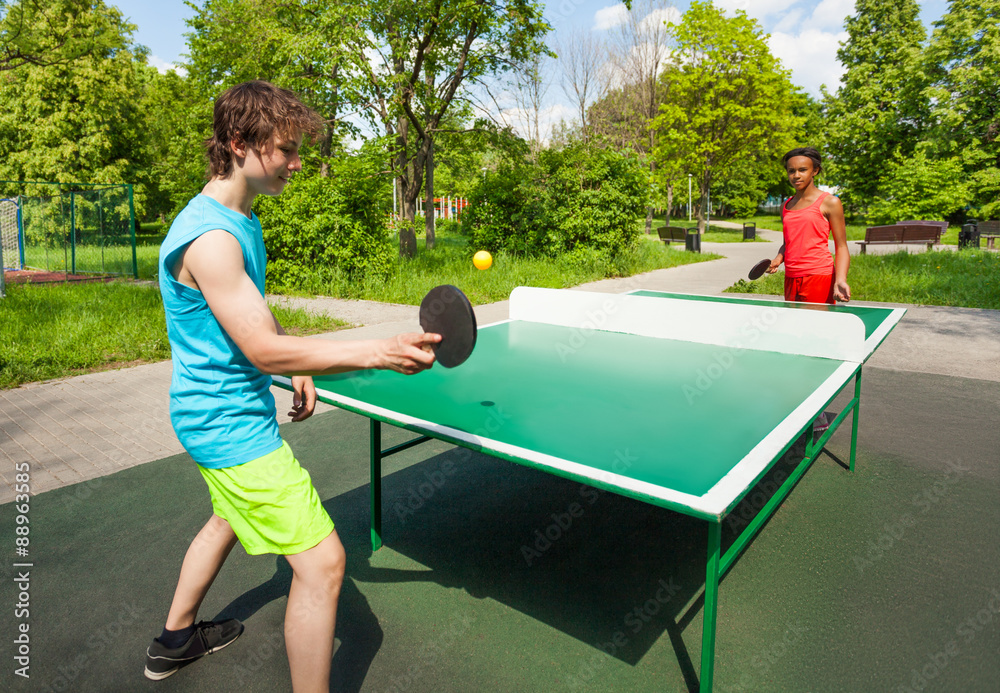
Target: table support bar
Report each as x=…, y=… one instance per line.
x=377, y=454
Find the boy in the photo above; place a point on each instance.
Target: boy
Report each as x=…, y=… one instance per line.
x=225, y=342
x=807, y=220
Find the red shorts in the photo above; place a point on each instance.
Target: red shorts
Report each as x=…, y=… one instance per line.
x=814, y=288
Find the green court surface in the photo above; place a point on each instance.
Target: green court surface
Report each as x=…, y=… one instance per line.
x=884, y=579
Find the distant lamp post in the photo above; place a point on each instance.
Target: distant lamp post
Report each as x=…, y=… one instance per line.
x=689, y=197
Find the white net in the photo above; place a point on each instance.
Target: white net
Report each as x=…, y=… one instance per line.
x=10, y=236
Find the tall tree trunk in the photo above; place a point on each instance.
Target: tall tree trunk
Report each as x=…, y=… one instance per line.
x=703, y=187
x=407, y=234
x=670, y=202
x=326, y=139
x=429, y=178
x=429, y=198
x=649, y=209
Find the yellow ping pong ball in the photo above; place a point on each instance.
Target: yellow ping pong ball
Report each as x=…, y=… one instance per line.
x=482, y=260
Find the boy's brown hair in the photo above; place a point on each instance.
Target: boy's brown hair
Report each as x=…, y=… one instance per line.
x=254, y=112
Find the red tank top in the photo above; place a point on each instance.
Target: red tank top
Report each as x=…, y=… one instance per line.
x=806, y=233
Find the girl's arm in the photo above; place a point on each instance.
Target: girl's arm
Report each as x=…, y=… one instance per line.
x=778, y=259
x=834, y=212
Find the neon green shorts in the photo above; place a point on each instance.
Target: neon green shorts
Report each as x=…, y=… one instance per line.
x=270, y=503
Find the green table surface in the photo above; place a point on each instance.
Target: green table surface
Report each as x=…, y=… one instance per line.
x=674, y=414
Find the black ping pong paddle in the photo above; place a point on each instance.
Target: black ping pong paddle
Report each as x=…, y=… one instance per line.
x=757, y=271
x=446, y=311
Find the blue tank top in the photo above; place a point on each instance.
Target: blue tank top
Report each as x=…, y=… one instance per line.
x=221, y=406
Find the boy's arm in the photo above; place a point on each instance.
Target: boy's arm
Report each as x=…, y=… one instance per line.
x=303, y=389
x=214, y=262
x=834, y=212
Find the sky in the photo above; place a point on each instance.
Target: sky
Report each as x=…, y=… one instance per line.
x=804, y=35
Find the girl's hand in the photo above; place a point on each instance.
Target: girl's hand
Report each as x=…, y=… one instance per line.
x=841, y=291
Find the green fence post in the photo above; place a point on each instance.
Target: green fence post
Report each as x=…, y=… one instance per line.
x=72, y=230
x=131, y=223
x=2, y=285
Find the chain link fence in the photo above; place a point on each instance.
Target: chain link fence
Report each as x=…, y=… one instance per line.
x=74, y=228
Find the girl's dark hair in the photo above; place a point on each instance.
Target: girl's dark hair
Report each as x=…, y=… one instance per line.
x=810, y=152
x=254, y=112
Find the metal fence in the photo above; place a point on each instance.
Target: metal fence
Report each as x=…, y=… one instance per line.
x=73, y=228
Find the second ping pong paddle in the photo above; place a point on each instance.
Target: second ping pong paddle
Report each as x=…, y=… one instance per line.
x=757, y=271
x=446, y=311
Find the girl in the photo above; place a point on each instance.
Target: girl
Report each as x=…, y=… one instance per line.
x=807, y=220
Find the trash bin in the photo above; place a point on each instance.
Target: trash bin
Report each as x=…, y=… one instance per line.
x=749, y=230
x=692, y=241
x=968, y=237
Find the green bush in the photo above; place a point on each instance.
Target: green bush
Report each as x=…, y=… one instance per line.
x=502, y=212
x=319, y=227
x=580, y=196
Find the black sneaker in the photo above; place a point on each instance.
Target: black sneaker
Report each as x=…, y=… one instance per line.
x=207, y=638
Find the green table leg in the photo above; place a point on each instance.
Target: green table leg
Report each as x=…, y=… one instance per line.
x=711, y=606
x=376, y=483
x=854, y=417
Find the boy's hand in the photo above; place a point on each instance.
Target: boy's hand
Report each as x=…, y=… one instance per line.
x=407, y=353
x=775, y=264
x=304, y=397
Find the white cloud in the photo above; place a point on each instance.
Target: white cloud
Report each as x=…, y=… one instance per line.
x=523, y=120
x=610, y=17
x=163, y=67
x=811, y=56
x=788, y=22
x=655, y=19
x=758, y=9
x=830, y=14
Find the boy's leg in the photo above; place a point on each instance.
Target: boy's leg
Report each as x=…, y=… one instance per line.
x=202, y=562
x=310, y=618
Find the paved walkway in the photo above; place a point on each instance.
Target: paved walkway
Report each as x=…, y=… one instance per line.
x=82, y=428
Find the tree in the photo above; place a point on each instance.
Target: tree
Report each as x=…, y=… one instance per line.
x=584, y=79
x=874, y=117
x=53, y=32
x=461, y=42
x=80, y=121
x=730, y=100
x=531, y=84
x=173, y=131
x=304, y=46
x=962, y=64
x=640, y=54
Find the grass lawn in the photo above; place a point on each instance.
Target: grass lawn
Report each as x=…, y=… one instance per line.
x=970, y=279
x=450, y=262
x=58, y=330
x=855, y=231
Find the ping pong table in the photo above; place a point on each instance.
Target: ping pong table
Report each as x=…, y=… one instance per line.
x=681, y=401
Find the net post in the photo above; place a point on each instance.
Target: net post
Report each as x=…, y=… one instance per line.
x=131, y=224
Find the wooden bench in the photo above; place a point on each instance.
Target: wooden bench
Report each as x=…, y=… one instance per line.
x=672, y=234
x=989, y=230
x=909, y=233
